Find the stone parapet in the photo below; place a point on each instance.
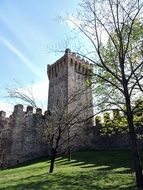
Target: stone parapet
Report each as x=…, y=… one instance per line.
x=21, y=136
x=80, y=64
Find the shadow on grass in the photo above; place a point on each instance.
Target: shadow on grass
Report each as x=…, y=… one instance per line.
x=90, y=170
x=83, y=181
x=113, y=159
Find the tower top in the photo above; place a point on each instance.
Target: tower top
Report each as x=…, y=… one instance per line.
x=69, y=60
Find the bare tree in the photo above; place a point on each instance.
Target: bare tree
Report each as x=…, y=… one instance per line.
x=114, y=32
x=26, y=95
x=65, y=121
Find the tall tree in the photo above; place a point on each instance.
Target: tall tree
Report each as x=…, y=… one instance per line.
x=114, y=31
x=66, y=122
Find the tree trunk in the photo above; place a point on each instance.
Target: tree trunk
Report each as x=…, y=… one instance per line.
x=69, y=154
x=134, y=145
x=52, y=163
x=133, y=135
x=135, y=152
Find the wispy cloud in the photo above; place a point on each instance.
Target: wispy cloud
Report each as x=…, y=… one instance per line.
x=21, y=56
x=33, y=38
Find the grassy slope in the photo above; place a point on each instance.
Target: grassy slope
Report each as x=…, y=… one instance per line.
x=88, y=170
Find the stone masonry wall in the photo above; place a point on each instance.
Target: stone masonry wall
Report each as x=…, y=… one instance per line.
x=21, y=136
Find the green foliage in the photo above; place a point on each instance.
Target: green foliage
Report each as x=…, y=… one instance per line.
x=119, y=122
x=88, y=170
x=112, y=126
x=121, y=37
x=113, y=56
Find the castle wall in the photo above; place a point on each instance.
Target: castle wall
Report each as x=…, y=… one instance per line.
x=107, y=141
x=21, y=137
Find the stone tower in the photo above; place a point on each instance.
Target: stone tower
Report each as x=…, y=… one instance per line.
x=68, y=75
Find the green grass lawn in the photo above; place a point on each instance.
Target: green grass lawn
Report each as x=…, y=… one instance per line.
x=88, y=170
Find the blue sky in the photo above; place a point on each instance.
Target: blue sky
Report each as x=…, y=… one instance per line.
x=27, y=28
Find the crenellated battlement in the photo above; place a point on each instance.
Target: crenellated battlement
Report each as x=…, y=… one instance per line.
x=29, y=109
x=72, y=60
x=19, y=110
x=108, y=116
x=21, y=135
x=2, y=114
